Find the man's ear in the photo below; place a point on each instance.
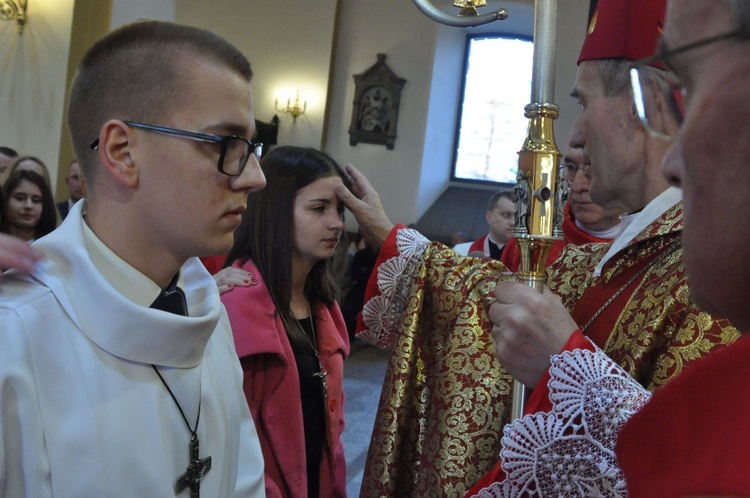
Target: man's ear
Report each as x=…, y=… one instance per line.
x=116, y=142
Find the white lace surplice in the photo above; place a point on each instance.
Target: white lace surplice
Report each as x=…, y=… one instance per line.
x=382, y=315
x=570, y=451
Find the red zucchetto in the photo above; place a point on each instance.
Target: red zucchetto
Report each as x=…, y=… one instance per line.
x=624, y=29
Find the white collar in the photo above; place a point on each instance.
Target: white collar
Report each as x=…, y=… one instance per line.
x=101, y=294
x=133, y=285
x=607, y=233
x=633, y=224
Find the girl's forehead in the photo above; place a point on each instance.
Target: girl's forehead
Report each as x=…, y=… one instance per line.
x=26, y=186
x=321, y=185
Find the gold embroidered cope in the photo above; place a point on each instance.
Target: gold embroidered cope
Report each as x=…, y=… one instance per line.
x=446, y=398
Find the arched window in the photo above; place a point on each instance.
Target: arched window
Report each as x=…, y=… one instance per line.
x=492, y=126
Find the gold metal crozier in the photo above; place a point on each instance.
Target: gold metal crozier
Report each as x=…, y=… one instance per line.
x=536, y=193
x=539, y=205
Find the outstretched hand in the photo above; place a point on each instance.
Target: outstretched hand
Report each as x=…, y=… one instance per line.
x=17, y=253
x=364, y=203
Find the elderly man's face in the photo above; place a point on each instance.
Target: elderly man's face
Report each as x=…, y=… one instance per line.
x=589, y=214
x=612, y=140
x=710, y=159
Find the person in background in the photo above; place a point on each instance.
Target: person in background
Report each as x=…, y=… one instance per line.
x=360, y=268
x=463, y=244
x=31, y=163
x=288, y=330
x=594, y=223
x=584, y=221
x=75, y=189
x=458, y=238
x=14, y=251
x=7, y=157
x=117, y=366
x=29, y=206
x=500, y=217
x=342, y=260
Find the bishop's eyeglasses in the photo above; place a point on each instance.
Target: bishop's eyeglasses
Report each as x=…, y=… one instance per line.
x=644, y=77
x=234, y=151
x=571, y=169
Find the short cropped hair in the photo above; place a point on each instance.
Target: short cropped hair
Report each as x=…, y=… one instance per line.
x=502, y=194
x=137, y=72
x=615, y=75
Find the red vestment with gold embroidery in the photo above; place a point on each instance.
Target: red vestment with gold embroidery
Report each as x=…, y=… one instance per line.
x=446, y=398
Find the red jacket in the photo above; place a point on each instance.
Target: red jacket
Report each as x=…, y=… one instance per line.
x=271, y=386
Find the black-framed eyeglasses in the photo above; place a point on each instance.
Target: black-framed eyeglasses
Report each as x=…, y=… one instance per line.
x=642, y=74
x=233, y=154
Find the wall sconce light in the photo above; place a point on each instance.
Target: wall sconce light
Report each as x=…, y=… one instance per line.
x=14, y=10
x=294, y=110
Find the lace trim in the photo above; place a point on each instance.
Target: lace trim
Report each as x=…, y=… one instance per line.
x=570, y=451
x=383, y=314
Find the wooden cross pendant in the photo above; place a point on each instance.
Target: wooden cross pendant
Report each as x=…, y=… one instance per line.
x=195, y=472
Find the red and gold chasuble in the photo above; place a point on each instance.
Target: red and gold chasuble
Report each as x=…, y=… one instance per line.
x=446, y=398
